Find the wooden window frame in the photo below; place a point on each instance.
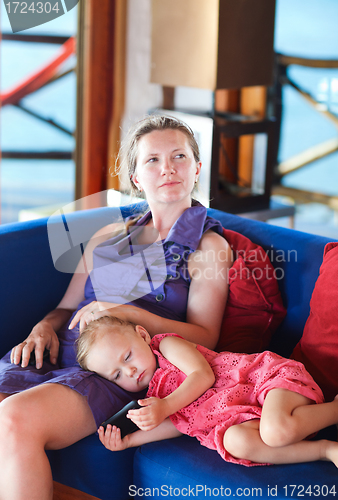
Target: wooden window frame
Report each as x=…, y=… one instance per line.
x=100, y=93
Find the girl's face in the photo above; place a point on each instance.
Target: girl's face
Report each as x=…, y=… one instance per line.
x=124, y=358
x=166, y=169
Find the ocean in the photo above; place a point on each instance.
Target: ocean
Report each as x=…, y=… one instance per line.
x=306, y=28
x=26, y=184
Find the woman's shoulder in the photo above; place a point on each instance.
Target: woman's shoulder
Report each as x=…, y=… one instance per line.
x=212, y=248
x=212, y=240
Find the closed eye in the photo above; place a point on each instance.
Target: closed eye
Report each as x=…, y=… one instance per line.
x=117, y=374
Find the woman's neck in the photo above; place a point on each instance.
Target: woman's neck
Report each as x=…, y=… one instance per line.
x=164, y=217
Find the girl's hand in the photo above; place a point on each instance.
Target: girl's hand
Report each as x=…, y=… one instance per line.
x=111, y=439
x=153, y=413
x=93, y=310
x=42, y=336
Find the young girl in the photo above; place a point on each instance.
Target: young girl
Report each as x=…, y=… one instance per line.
x=252, y=409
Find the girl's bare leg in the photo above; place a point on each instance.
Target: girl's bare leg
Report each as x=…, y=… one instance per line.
x=288, y=417
x=244, y=441
x=50, y=416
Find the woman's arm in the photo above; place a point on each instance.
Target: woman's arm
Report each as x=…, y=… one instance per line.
x=75, y=291
x=208, y=268
x=200, y=377
x=43, y=335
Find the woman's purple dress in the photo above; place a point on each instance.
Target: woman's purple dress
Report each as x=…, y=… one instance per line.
x=154, y=277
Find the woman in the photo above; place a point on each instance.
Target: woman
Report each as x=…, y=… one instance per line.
x=60, y=401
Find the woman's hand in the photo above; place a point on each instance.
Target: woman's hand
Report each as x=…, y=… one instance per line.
x=42, y=336
x=111, y=438
x=153, y=413
x=94, y=310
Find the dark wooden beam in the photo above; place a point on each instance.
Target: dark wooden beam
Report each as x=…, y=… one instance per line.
x=37, y=155
x=95, y=93
x=119, y=85
x=18, y=37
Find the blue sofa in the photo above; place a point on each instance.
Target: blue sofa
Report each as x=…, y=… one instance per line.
x=179, y=468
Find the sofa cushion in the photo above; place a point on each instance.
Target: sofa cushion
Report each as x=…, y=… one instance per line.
x=318, y=347
x=182, y=468
x=254, y=307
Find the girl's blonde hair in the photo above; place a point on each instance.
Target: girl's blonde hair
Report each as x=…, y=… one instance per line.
x=127, y=157
x=92, y=332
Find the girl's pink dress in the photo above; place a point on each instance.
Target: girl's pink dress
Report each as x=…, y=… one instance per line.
x=241, y=385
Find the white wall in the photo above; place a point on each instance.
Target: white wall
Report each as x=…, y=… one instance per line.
x=141, y=95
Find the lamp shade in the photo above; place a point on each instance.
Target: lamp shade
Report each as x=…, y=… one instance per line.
x=212, y=44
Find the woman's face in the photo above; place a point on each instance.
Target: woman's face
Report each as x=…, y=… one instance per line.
x=166, y=169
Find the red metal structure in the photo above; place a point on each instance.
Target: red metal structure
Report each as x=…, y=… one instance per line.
x=40, y=77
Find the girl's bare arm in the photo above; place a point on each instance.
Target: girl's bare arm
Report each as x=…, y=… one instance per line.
x=111, y=438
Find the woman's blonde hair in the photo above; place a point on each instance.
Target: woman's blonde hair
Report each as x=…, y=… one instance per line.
x=127, y=157
x=92, y=332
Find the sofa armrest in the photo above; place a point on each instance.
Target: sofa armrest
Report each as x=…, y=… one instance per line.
x=30, y=285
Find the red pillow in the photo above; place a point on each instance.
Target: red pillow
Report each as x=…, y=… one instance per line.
x=318, y=347
x=254, y=307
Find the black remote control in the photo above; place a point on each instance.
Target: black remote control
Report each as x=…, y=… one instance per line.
x=121, y=421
